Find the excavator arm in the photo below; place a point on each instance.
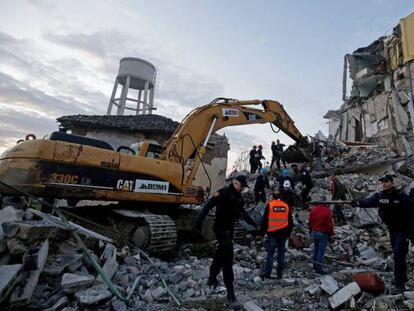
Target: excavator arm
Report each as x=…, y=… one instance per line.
x=192, y=135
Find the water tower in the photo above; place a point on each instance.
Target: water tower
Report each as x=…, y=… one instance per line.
x=137, y=77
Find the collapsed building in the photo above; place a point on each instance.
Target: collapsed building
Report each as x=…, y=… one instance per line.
x=379, y=107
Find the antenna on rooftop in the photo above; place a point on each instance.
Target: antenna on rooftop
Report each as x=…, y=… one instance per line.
x=137, y=78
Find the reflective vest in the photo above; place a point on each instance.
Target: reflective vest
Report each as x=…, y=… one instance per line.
x=278, y=215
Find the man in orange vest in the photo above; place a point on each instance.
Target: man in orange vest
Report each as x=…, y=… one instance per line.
x=277, y=222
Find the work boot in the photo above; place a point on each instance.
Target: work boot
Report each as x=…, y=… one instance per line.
x=264, y=275
x=212, y=281
x=398, y=289
x=320, y=272
x=279, y=274
x=233, y=302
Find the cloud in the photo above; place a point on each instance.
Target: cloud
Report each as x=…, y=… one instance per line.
x=37, y=87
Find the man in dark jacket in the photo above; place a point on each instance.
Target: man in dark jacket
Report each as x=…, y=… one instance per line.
x=277, y=151
x=229, y=207
x=317, y=154
x=262, y=182
x=307, y=183
x=396, y=211
x=259, y=156
x=277, y=223
x=252, y=160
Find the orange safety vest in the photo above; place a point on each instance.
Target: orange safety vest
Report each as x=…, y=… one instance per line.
x=278, y=215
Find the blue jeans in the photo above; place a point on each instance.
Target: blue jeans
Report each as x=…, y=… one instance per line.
x=399, y=245
x=320, y=241
x=272, y=243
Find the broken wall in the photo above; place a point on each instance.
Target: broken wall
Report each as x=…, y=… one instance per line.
x=380, y=106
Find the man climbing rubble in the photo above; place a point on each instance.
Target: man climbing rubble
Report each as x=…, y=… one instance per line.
x=397, y=212
x=229, y=207
x=262, y=182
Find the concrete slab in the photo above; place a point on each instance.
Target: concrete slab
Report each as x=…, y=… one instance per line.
x=8, y=277
x=23, y=292
x=72, y=283
x=343, y=295
x=93, y=296
x=329, y=284
x=251, y=306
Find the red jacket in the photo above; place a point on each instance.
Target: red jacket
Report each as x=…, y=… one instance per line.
x=320, y=219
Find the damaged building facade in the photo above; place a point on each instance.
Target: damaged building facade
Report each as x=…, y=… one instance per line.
x=130, y=131
x=379, y=107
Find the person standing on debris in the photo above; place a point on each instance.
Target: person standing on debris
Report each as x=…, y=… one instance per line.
x=277, y=223
x=252, y=160
x=397, y=212
x=262, y=182
x=258, y=157
x=283, y=177
x=317, y=154
x=307, y=183
x=321, y=227
x=229, y=207
x=338, y=193
x=277, y=150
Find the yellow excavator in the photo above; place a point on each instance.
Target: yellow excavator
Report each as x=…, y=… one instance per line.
x=147, y=190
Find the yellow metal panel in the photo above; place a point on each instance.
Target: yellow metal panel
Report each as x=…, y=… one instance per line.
x=407, y=37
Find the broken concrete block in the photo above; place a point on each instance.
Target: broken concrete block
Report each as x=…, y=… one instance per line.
x=59, y=304
x=119, y=305
x=329, y=284
x=158, y=293
x=33, y=263
x=9, y=214
x=344, y=294
x=8, y=277
x=251, y=306
x=35, y=259
x=110, y=265
x=23, y=292
x=369, y=282
x=72, y=283
x=16, y=247
x=93, y=296
x=56, y=264
x=35, y=230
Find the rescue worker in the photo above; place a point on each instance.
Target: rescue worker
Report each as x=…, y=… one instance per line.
x=262, y=182
x=229, y=207
x=282, y=178
x=321, y=227
x=277, y=223
x=307, y=183
x=252, y=160
x=397, y=212
x=338, y=193
x=317, y=154
x=258, y=157
x=277, y=150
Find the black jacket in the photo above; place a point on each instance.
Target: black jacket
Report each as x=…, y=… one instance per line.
x=395, y=209
x=261, y=183
x=284, y=233
x=229, y=208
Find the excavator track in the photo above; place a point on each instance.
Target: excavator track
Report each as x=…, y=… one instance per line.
x=157, y=234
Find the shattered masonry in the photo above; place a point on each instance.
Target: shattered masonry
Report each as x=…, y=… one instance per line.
x=380, y=107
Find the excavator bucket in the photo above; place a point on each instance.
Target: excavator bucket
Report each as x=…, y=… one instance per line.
x=295, y=154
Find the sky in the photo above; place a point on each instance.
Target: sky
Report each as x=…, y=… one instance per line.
x=62, y=57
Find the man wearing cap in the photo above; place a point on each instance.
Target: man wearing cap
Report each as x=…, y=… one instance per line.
x=338, y=193
x=262, y=182
x=229, y=207
x=277, y=223
x=396, y=211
